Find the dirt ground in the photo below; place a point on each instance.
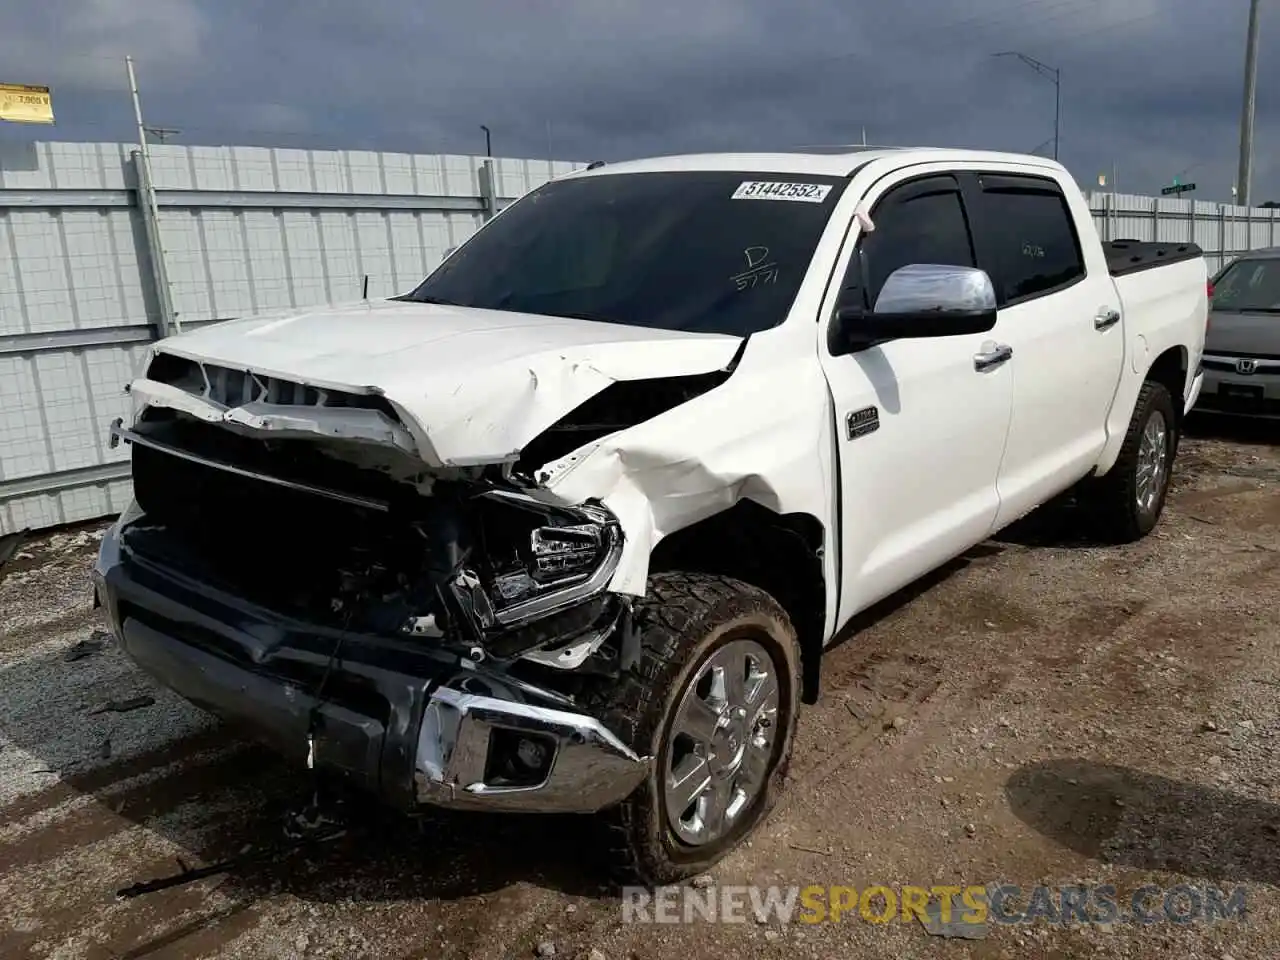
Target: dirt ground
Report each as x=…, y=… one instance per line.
x=1041, y=712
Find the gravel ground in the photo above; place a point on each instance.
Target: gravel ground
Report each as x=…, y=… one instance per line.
x=1042, y=711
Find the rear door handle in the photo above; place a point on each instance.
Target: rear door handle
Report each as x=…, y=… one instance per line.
x=993, y=357
x=1106, y=318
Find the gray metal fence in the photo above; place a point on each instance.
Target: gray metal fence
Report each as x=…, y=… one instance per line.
x=1222, y=231
x=246, y=230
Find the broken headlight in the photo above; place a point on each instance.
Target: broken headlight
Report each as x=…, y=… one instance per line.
x=527, y=574
x=557, y=558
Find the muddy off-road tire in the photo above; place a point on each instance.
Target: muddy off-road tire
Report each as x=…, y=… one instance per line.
x=680, y=705
x=1126, y=503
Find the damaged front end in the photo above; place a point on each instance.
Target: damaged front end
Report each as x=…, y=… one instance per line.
x=431, y=633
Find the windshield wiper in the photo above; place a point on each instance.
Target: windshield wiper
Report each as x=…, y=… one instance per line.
x=592, y=317
x=410, y=298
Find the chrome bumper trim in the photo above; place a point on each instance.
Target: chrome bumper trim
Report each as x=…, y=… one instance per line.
x=590, y=768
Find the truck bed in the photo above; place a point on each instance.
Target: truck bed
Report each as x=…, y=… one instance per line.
x=1131, y=256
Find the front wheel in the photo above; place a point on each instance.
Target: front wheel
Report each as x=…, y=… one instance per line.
x=713, y=700
x=1127, y=502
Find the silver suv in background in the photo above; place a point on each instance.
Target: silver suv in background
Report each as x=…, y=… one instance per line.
x=1242, y=346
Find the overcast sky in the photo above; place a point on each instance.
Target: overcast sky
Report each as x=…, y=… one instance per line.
x=1151, y=86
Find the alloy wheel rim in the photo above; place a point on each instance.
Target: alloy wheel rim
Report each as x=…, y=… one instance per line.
x=722, y=740
x=1153, y=462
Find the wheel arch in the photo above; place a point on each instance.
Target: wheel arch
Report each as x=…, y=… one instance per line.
x=781, y=554
x=1169, y=369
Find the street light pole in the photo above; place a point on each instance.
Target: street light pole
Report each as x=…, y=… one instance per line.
x=1057, y=110
x=488, y=143
x=1054, y=75
x=1247, y=111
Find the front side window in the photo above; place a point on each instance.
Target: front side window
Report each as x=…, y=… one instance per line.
x=918, y=222
x=705, y=252
x=1248, y=286
x=1027, y=238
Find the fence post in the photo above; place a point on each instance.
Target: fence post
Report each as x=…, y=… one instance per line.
x=488, y=190
x=1222, y=234
x=155, y=250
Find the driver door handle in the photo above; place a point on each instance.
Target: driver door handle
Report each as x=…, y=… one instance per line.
x=1106, y=318
x=993, y=357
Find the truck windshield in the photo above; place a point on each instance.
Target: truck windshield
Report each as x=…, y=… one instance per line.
x=1249, y=286
x=701, y=252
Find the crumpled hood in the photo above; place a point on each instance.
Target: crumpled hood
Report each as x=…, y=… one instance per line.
x=472, y=386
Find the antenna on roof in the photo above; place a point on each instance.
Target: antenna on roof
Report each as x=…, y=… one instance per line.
x=848, y=147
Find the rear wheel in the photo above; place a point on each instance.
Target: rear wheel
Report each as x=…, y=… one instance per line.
x=1128, y=501
x=713, y=701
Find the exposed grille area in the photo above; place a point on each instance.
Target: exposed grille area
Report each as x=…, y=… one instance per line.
x=355, y=550
x=235, y=388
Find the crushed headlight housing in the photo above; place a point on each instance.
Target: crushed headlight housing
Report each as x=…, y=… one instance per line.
x=562, y=552
x=534, y=576
x=558, y=556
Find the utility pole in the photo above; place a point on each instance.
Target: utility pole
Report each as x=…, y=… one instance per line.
x=137, y=110
x=151, y=214
x=488, y=141
x=1250, y=103
x=1054, y=75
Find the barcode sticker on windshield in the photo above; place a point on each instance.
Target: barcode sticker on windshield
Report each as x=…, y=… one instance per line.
x=775, y=190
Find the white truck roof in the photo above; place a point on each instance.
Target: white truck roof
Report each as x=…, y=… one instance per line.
x=834, y=161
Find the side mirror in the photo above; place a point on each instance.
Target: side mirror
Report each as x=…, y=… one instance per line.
x=921, y=300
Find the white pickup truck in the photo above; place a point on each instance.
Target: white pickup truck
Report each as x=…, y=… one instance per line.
x=568, y=527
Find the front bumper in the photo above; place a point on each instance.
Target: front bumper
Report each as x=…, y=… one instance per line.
x=1253, y=391
x=397, y=717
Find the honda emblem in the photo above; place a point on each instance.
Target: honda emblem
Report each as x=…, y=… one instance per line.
x=1246, y=367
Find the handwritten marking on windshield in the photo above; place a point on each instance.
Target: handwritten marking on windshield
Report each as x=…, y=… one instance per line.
x=760, y=269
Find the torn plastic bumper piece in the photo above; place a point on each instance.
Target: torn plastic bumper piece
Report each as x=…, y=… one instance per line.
x=391, y=725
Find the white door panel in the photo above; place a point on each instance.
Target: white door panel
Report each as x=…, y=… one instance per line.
x=1062, y=387
x=1060, y=313
x=921, y=488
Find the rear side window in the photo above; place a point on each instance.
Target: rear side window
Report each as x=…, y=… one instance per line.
x=918, y=222
x=1026, y=238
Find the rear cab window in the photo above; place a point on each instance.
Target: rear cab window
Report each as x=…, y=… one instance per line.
x=1026, y=236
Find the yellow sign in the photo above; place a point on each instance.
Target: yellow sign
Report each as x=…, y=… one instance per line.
x=21, y=103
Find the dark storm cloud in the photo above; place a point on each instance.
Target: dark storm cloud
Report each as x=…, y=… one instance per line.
x=1151, y=86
